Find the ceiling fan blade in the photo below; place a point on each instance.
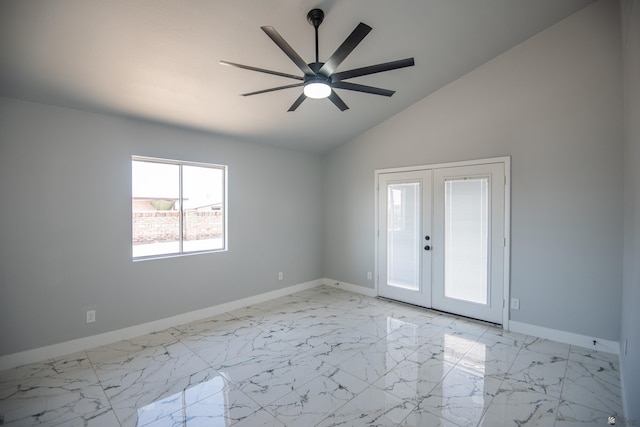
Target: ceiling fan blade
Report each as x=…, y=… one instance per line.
x=345, y=49
x=363, y=88
x=261, y=70
x=288, y=50
x=372, y=69
x=297, y=102
x=337, y=101
x=273, y=89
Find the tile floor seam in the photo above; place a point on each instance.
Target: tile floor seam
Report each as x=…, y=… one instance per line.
x=564, y=377
x=335, y=409
x=504, y=376
x=95, y=372
x=484, y=410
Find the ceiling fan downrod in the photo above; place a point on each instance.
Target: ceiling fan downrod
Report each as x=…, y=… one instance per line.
x=315, y=18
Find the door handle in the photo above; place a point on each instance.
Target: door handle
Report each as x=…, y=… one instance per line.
x=427, y=248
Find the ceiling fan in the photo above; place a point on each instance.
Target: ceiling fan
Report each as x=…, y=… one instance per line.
x=320, y=78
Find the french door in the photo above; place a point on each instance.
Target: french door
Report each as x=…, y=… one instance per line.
x=404, y=268
x=441, y=238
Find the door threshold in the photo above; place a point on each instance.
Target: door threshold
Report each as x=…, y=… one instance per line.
x=471, y=319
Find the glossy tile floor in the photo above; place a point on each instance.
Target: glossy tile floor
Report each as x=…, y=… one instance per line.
x=323, y=357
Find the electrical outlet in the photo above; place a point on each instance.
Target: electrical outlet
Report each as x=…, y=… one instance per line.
x=280, y=275
x=515, y=303
x=369, y=275
x=91, y=316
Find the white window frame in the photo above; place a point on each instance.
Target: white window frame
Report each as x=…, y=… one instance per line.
x=224, y=209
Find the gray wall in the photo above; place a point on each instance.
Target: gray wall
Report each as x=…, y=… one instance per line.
x=554, y=104
x=630, y=326
x=65, y=189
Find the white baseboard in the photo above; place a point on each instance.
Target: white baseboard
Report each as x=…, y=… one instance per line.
x=565, y=337
x=56, y=350
x=350, y=287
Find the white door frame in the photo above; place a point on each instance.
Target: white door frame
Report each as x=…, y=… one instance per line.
x=506, y=160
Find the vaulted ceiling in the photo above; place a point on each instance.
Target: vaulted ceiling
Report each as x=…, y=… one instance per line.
x=158, y=60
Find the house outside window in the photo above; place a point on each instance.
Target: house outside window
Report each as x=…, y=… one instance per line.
x=177, y=207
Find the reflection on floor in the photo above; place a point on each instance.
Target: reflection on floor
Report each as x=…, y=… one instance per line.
x=322, y=357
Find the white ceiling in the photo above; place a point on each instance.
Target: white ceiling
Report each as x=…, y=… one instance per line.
x=159, y=59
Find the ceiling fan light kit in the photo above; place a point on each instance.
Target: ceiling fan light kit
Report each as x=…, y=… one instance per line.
x=317, y=89
x=320, y=78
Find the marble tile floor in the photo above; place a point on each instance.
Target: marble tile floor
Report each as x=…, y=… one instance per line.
x=322, y=357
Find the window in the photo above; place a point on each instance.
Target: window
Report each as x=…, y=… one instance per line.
x=177, y=207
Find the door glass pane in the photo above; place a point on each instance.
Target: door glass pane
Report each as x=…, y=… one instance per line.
x=403, y=238
x=466, y=239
